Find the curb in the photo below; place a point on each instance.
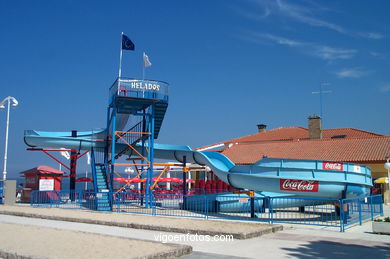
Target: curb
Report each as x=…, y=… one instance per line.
x=237, y=235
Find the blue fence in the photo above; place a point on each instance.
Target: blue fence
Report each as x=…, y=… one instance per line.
x=64, y=199
x=292, y=210
x=1, y=192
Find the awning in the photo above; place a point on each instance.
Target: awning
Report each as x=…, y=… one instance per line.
x=381, y=180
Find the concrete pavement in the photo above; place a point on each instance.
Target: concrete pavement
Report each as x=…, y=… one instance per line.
x=295, y=241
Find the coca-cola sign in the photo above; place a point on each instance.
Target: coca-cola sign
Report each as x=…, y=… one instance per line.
x=332, y=166
x=298, y=185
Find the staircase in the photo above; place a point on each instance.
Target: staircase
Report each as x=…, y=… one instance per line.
x=159, y=113
x=102, y=193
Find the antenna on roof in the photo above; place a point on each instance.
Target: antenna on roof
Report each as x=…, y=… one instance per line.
x=321, y=92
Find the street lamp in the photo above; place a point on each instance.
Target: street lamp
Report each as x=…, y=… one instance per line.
x=387, y=166
x=128, y=171
x=14, y=103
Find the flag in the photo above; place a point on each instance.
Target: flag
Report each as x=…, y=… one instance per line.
x=65, y=154
x=88, y=158
x=127, y=44
x=147, y=63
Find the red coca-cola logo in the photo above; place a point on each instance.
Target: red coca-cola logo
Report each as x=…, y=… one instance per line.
x=298, y=185
x=332, y=166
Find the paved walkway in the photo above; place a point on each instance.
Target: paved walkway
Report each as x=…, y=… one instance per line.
x=295, y=241
x=238, y=229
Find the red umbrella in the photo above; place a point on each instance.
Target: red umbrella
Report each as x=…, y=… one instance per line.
x=190, y=181
x=171, y=180
x=133, y=180
x=177, y=180
x=118, y=179
x=83, y=180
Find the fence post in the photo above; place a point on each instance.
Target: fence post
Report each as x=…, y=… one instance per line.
x=252, y=207
x=371, y=208
x=270, y=211
x=153, y=203
x=50, y=195
x=342, y=221
x=360, y=211
x=381, y=204
x=206, y=207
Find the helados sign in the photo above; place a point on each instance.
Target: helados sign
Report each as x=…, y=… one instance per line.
x=145, y=85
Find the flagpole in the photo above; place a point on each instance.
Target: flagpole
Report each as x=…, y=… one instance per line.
x=143, y=66
x=120, y=59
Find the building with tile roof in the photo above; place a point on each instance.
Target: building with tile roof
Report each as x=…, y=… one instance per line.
x=341, y=145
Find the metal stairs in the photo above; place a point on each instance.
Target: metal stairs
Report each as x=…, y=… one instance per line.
x=159, y=113
x=102, y=191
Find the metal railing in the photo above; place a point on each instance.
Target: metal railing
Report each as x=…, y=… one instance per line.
x=64, y=199
x=307, y=211
x=137, y=88
x=292, y=210
x=355, y=211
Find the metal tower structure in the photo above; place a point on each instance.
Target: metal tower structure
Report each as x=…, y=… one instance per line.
x=135, y=113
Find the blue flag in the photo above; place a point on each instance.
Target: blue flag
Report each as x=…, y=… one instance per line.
x=127, y=44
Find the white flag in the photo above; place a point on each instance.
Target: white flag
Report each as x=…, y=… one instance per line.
x=147, y=63
x=88, y=158
x=65, y=153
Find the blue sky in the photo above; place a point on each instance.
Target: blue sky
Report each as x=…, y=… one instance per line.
x=231, y=64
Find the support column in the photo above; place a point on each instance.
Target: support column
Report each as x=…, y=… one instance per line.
x=148, y=191
x=184, y=182
x=143, y=154
x=73, y=164
x=113, y=141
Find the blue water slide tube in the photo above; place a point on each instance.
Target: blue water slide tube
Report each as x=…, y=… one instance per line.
x=302, y=178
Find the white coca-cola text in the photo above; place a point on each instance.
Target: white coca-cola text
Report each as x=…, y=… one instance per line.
x=299, y=185
x=332, y=166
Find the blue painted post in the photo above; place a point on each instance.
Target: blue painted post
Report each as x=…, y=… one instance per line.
x=148, y=191
x=342, y=221
x=270, y=214
x=106, y=145
x=143, y=154
x=206, y=207
x=371, y=208
x=113, y=141
x=93, y=167
x=360, y=210
x=381, y=205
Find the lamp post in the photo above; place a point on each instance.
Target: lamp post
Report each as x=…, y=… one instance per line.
x=387, y=166
x=128, y=171
x=14, y=103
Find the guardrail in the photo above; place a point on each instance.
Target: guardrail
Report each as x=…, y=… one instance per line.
x=292, y=210
x=138, y=88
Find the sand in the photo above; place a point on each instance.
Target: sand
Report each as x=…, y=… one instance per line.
x=42, y=242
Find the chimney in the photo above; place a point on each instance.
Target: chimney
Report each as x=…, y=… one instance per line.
x=315, y=130
x=261, y=127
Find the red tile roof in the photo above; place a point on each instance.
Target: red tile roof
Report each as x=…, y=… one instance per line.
x=356, y=150
x=42, y=169
x=294, y=133
x=343, y=144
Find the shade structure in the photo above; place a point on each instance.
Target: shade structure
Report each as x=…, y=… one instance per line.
x=83, y=180
x=381, y=180
x=132, y=180
x=171, y=180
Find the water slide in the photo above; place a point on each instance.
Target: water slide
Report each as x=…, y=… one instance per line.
x=301, y=178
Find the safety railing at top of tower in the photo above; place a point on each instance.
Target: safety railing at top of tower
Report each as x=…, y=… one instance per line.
x=138, y=88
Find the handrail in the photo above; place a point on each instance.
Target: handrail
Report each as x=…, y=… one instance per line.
x=138, y=88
